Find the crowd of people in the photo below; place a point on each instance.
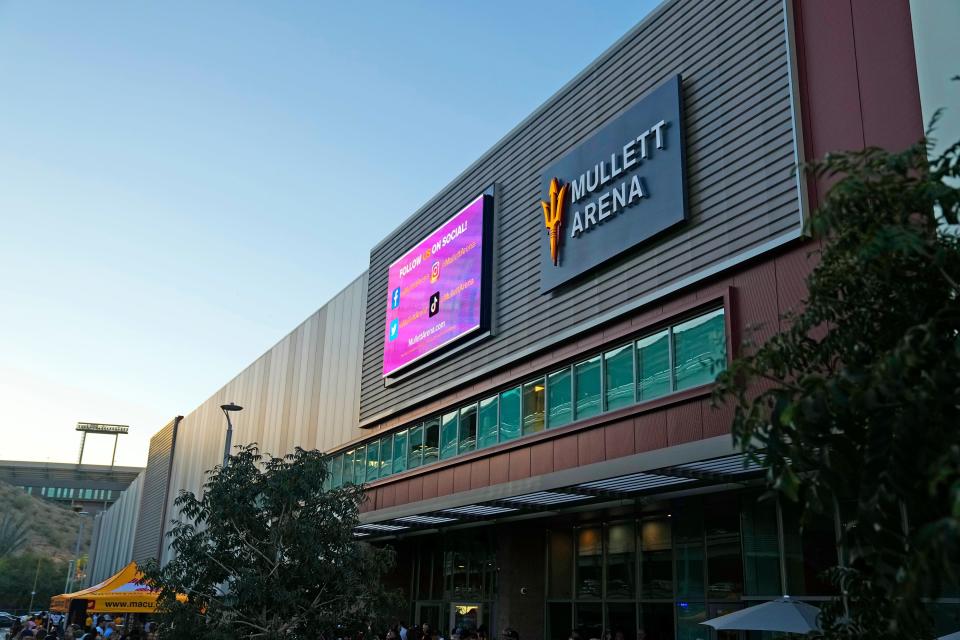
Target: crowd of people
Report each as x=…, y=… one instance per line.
x=424, y=631
x=53, y=626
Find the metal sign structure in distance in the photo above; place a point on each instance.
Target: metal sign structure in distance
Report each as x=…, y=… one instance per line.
x=95, y=427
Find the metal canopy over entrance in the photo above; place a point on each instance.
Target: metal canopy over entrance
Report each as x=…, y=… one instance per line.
x=624, y=478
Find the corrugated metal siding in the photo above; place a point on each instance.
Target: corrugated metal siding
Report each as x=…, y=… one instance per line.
x=112, y=547
x=305, y=391
x=742, y=193
x=149, y=526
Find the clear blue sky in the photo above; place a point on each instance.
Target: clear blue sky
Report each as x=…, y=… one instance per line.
x=182, y=183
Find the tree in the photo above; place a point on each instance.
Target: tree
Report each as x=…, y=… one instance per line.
x=16, y=580
x=856, y=407
x=267, y=552
x=13, y=534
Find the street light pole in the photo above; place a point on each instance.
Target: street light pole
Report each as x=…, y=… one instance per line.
x=33, y=592
x=227, y=410
x=76, y=552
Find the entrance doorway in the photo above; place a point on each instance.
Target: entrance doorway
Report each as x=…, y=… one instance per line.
x=429, y=613
x=465, y=616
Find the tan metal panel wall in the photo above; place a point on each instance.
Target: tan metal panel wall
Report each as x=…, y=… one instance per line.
x=112, y=548
x=156, y=478
x=304, y=391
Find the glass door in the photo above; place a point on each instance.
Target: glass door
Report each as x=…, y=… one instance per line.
x=465, y=616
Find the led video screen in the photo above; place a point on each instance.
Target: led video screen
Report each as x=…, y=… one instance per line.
x=437, y=292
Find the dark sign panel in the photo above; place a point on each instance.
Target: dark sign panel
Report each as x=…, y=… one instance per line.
x=617, y=189
x=437, y=291
x=96, y=427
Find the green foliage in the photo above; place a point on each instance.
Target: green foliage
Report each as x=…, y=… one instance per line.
x=857, y=404
x=16, y=580
x=13, y=533
x=266, y=552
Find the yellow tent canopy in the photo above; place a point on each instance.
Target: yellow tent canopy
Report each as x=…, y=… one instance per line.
x=120, y=593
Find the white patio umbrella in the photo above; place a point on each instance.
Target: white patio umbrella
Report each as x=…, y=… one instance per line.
x=782, y=614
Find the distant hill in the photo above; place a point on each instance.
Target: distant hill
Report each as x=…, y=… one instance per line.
x=51, y=528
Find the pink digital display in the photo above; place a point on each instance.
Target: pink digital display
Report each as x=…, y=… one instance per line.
x=436, y=290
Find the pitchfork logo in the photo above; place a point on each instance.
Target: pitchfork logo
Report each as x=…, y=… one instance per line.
x=553, y=216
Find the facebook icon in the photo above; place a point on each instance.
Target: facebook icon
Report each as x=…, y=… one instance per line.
x=394, y=328
x=395, y=298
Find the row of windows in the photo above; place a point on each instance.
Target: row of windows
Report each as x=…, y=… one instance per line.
x=71, y=493
x=668, y=571
x=683, y=356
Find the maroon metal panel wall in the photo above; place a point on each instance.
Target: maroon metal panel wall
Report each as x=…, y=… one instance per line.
x=858, y=75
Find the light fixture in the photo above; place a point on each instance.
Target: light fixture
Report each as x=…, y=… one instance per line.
x=227, y=410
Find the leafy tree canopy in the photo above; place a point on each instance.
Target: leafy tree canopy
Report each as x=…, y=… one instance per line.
x=857, y=405
x=267, y=552
x=17, y=575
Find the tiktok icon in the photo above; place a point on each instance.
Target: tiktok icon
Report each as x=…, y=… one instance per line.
x=434, y=304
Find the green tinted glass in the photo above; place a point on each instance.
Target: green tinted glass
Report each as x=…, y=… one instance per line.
x=337, y=470
x=533, y=400
x=468, y=428
x=487, y=426
x=415, y=447
x=431, y=440
x=700, y=350
x=448, y=436
x=618, y=377
x=400, y=451
x=510, y=414
x=386, y=456
x=373, y=460
x=359, y=465
x=587, y=382
x=653, y=365
x=559, y=398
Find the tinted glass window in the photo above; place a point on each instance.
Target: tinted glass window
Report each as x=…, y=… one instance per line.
x=761, y=553
x=621, y=560
x=622, y=620
x=415, y=447
x=359, y=465
x=618, y=377
x=700, y=350
x=348, y=467
x=487, y=426
x=510, y=414
x=448, y=436
x=587, y=382
x=533, y=400
x=656, y=558
x=559, y=620
x=386, y=456
x=722, y=532
x=653, y=365
x=559, y=398
x=400, y=451
x=431, y=440
x=336, y=471
x=589, y=562
x=468, y=428
x=688, y=533
x=373, y=460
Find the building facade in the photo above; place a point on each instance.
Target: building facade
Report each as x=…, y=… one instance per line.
x=522, y=379
x=88, y=487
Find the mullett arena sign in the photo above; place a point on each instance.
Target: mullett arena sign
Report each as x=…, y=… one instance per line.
x=617, y=189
